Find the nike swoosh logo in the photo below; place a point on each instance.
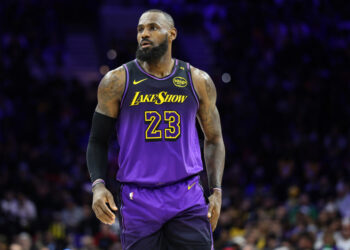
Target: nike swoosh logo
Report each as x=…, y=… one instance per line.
x=137, y=82
x=190, y=186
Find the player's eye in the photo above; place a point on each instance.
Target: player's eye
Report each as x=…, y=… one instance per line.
x=139, y=30
x=154, y=28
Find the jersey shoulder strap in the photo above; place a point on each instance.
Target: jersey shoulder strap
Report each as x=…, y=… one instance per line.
x=184, y=70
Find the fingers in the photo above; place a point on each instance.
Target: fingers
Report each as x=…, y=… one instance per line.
x=214, y=209
x=213, y=215
x=101, y=197
x=214, y=218
x=100, y=215
x=106, y=215
x=210, y=215
x=111, y=202
x=210, y=210
x=103, y=213
x=214, y=221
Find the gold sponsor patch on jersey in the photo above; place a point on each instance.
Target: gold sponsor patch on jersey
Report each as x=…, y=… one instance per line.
x=180, y=82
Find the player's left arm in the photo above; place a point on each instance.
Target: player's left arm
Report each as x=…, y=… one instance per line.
x=214, y=149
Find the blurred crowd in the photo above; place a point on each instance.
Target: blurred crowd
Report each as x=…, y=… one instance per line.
x=285, y=115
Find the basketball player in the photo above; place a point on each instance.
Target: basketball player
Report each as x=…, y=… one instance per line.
x=153, y=102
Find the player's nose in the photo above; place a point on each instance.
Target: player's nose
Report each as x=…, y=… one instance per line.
x=145, y=34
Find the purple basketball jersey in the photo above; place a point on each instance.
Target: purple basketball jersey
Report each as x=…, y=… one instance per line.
x=156, y=127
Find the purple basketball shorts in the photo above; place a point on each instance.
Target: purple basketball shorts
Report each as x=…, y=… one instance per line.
x=166, y=217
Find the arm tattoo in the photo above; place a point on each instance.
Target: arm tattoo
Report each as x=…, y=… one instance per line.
x=214, y=149
x=109, y=93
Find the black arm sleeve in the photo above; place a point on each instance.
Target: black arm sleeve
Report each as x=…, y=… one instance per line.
x=97, y=149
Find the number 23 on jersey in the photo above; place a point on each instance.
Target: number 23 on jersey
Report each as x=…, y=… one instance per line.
x=153, y=119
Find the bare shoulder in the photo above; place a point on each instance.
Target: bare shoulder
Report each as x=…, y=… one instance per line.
x=113, y=82
x=203, y=84
x=110, y=91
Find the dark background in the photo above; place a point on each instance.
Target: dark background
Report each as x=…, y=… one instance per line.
x=281, y=69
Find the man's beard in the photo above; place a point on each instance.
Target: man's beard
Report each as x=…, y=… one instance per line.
x=153, y=54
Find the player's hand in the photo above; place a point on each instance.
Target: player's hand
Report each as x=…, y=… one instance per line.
x=101, y=196
x=214, y=208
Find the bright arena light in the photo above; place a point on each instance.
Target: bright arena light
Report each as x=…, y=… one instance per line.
x=226, y=77
x=111, y=54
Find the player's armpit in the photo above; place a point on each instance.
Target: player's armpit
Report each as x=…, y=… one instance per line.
x=110, y=92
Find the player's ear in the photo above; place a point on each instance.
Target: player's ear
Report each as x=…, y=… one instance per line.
x=172, y=34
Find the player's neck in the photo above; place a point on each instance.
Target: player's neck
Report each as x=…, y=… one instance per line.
x=161, y=68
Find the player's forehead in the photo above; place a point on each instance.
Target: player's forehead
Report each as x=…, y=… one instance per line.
x=152, y=18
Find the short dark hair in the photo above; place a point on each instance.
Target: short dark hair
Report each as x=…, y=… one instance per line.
x=168, y=17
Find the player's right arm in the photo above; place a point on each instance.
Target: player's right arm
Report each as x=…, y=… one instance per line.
x=109, y=95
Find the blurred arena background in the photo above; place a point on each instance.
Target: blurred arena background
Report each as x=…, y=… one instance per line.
x=281, y=68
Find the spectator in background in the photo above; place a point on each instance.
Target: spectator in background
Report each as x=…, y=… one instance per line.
x=328, y=241
x=9, y=204
x=88, y=225
x=343, y=238
x=25, y=240
x=56, y=235
x=105, y=238
x=3, y=245
x=343, y=198
x=271, y=242
x=305, y=241
x=25, y=210
x=72, y=214
x=15, y=246
x=87, y=243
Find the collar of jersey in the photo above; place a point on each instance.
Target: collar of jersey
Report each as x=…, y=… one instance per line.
x=157, y=78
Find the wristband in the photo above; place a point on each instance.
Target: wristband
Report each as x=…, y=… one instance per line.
x=97, y=182
x=217, y=189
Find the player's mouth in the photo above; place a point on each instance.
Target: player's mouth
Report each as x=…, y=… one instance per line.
x=146, y=44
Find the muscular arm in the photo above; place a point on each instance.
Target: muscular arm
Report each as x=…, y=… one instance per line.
x=214, y=149
x=209, y=119
x=109, y=95
x=110, y=91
